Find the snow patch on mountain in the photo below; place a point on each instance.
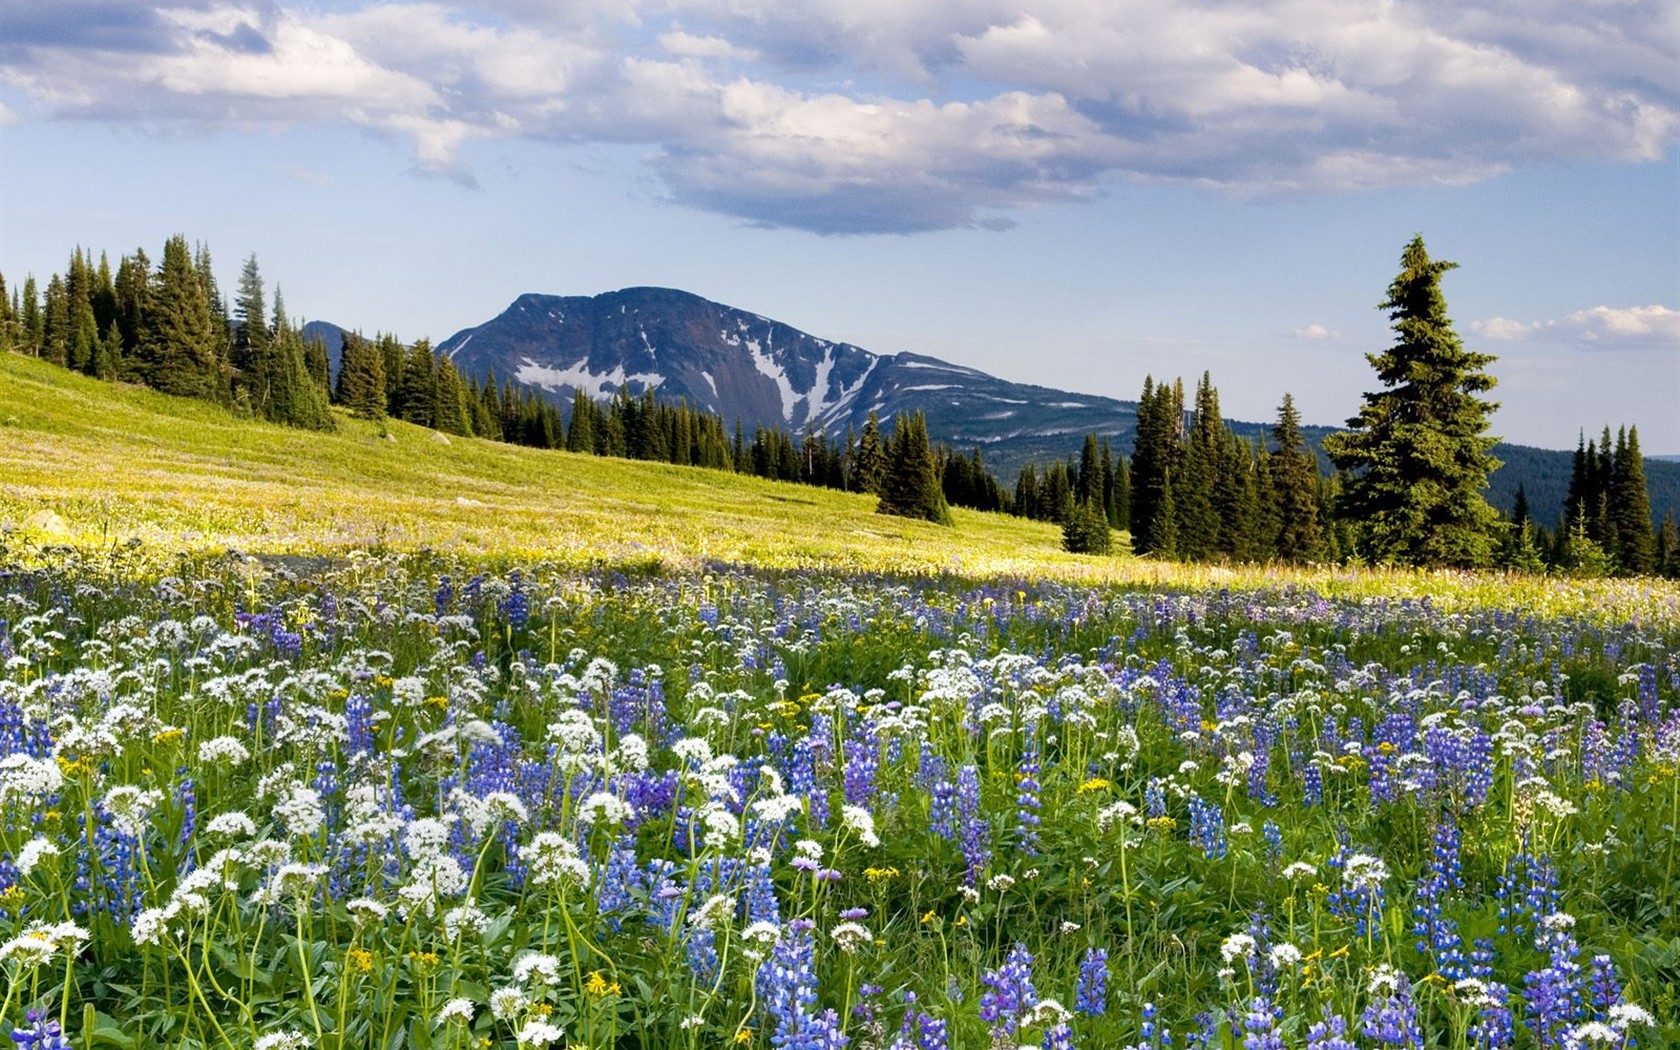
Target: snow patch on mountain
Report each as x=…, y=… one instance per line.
x=579, y=377
x=772, y=370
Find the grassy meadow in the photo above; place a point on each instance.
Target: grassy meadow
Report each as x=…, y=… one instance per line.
x=366, y=741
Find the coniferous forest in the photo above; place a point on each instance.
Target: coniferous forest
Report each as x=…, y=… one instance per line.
x=1190, y=488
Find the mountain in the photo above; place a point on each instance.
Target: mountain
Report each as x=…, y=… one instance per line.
x=742, y=365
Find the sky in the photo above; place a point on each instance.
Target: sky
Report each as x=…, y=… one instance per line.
x=1076, y=193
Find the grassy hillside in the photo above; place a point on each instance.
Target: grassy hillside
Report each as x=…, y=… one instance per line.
x=89, y=465
x=86, y=462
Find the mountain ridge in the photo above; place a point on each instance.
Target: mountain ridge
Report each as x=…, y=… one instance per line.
x=744, y=365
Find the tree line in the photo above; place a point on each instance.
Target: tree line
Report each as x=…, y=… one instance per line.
x=169, y=327
x=1408, y=487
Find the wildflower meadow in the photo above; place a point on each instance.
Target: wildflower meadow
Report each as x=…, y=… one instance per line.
x=383, y=801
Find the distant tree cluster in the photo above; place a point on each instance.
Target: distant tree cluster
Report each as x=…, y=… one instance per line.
x=1606, y=521
x=169, y=328
x=1192, y=488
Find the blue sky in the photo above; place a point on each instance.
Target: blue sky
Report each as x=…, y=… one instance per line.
x=1070, y=192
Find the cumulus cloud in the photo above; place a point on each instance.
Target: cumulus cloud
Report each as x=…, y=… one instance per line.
x=1595, y=328
x=1317, y=331
x=846, y=116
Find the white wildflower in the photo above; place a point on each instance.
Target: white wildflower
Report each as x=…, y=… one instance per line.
x=235, y=825
x=130, y=807
x=552, y=860
x=507, y=1003
x=457, y=1009
x=850, y=936
x=535, y=966
x=33, y=853
x=1237, y=946
x=540, y=1034
x=604, y=808
x=860, y=823
x=223, y=750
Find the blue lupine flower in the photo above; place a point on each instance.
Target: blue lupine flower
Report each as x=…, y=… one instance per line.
x=1010, y=993
x=1091, y=998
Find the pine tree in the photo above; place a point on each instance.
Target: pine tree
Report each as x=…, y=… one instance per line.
x=109, y=364
x=31, y=322
x=1418, y=450
x=1198, y=521
x=294, y=398
x=8, y=322
x=1668, y=547
x=252, y=339
x=580, y=430
x=910, y=486
x=1156, y=454
x=871, y=457
x=1630, y=508
x=1088, y=484
x=1236, y=501
x=449, y=401
x=361, y=378
x=55, y=342
x=179, y=352
x=1294, y=475
x=1086, y=529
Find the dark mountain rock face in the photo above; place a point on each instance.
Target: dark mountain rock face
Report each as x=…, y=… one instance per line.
x=741, y=365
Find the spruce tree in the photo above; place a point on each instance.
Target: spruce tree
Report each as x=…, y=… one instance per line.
x=910, y=486
x=1418, y=451
x=55, y=343
x=1198, y=521
x=8, y=323
x=361, y=378
x=1668, y=547
x=580, y=429
x=871, y=457
x=1086, y=529
x=1294, y=477
x=179, y=352
x=31, y=323
x=1156, y=454
x=1236, y=501
x=1630, y=508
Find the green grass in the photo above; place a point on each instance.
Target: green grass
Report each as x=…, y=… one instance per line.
x=116, y=462
x=88, y=464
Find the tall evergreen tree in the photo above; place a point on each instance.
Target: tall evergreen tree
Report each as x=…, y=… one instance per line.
x=361, y=378
x=871, y=457
x=1294, y=477
x=1418, y=451
x=179, y=351
x=1630, y=503
x=580, y=430
x=31, y=322
x=55, y=343
x=8, y=320
x=1194, y=485
x=910, y=486
x=1236, y=501
x=1668, y=547
x=1155, y=457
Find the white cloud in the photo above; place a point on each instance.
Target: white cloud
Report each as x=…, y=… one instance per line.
x=6, y=115
x=309, y=176
x=1597, y=327
x=1317, y=331
x=929, y=114
x=687, y=45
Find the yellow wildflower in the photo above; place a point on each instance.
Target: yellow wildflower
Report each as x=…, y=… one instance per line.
x=1094, y=784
